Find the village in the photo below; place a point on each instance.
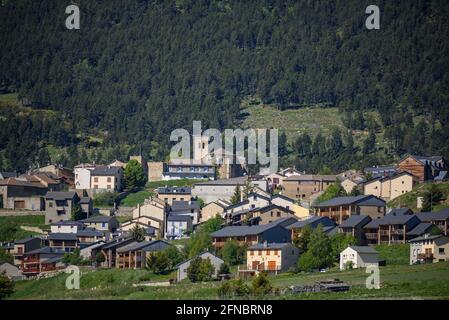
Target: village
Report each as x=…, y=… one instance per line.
x=252, y=224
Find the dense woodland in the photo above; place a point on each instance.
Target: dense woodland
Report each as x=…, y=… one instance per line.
x=138, y=69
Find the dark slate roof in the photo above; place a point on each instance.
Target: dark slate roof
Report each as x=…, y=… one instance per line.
x=274, y=246
x=409, y=220
x=380, y=169
x=60, y=195
x=105, y=171
x=174, y=190
x=133, y=246
x=85, y=200
x=400, y=212
x=374, y=224
x=54, y=259
x=313, y=222
x=272, y=206
x=99, y=219
x=157, y=245
x=366, y=200
x=179, y=217
x=68, y=223
x=330, y=230
x=62, y=236
x=6, y=175
x=89, y=232
x=442, y=175
x=184, y=206
x=25, y=240
x=311, y=177
x=254, y=194
x=431, y=216
x=427, y=237
x=241, y=203
x=420, y=229
x=354, y=221
x=363, y=249
x=46, y=250
x=237, y=231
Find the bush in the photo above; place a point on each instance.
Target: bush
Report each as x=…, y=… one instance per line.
x=134, y=175
x=261, y=285
x=100, y=258
x=200, y=270
x=105, y=199
x=224, y=269
x=158, y=262
x=232, y=253
x=6, y=286
x=233, y=288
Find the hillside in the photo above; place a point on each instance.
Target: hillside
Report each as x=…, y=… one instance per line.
x=137, y=70
x=409, y=200
x=429, y=281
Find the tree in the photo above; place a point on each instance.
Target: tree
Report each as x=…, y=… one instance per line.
x=302, y=240
x=341, y=241
x=77, y=213
x=431, y=197
x=200, y=270
x=224, y=269
x=232, y=253
x=319, y=253
x=134, y=175
x=137, y=233
x=261, y=285
x=158, y=262
x=369, y=144
x=73, y=258
x=355, y=192
x=333, y=191
x=282, y=144
x=8, y=230
x=201, y=240
x=247, y=189
x=174, y=255
x=5, y=256
x=237, y=196
x=6, y=286
x=100, y=258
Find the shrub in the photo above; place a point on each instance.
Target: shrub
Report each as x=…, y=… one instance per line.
x=261, y=285
x=6, y=286
x=200, y=270
x=233, y=288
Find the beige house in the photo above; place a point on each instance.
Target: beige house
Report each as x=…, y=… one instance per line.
x=155, y=171
x=107, y=179
x=168, y=195
x=290, y=204
x=302, y=187
x=271, y=257
x=152, y=214
x=211, y=210
x=391, y=187
x=429, y=248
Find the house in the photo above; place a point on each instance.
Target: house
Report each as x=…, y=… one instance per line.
x=83, y=176
x=272, y=232
x=390, y=187
x=174, y=194
x=223, y=189
x=191, y=208
x=189, y=169
x=22, y=195
x=67, y=227
x=439, y=219
x=425, y=168
x=212, y=209
x=156, y=170
x=288, y=172
x=109, y=250
x=102, y=223
x=52, y=183
x=341, y=208
x=87, y=252
x=429, y=248
x=182, y=267
x=88, y=236
x=118, y=163
x=313, y=222
x=58, y=171
x=42, y=260
x=87, y=206
x=358, y=257
x=290, y=204
x=66, y=242
x=302, y=187
x=271, y=257
x=152, y=214
x=390, y=229
x=379, y=171
x=178, y=226
x=23, y=246
x=59, y=205
x=11, y=271
x=134, y=255
x=269, y=214
x=253, y=201
x=106, y=178
x=354, y=226
x=275, y=180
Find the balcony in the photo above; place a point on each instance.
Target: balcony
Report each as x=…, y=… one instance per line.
x=425, y=256
x=371, y=236
x=397, y=231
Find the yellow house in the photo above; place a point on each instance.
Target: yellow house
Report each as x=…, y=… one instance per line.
x=290, y=204
x=212, y=209
x=271, y=257
x=429, y=248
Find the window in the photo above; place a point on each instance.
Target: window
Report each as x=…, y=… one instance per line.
x=260, y=252
x=441, y=250
x=251, y=253
x=109, y=179
x=276, y=252
x=96, y=179
x=95, y=186
x=50, y=204
x=278, y=214
x=271, y=213
x=109, y=186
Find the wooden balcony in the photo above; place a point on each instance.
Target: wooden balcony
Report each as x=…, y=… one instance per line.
x=371, y=236
x=425, y=256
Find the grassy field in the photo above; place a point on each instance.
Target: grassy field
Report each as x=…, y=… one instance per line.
x=172, y=183
x=29, y=221
x=408, y=200
x=398, y=254
x=133, y=199
x=429, y=281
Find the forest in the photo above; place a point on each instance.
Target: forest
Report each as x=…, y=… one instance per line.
x=138, y=69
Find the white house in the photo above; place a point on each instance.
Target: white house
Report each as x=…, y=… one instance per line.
x=82, y=175
x=359, y=256
x=182, y=267
x=178, y=225
x=11, y=271
x=67, y=227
